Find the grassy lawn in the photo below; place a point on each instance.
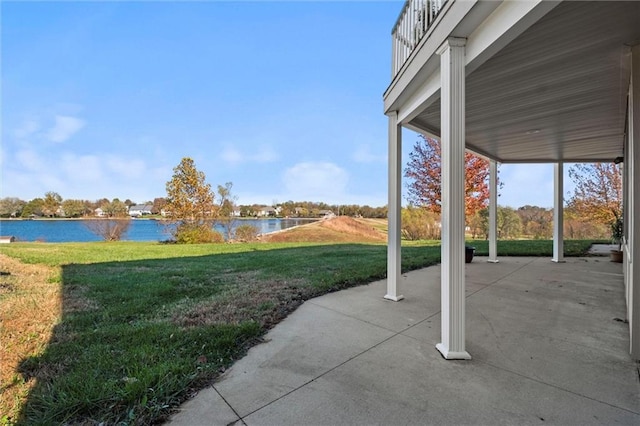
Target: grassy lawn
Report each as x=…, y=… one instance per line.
x=124, y=332
x=533, y=247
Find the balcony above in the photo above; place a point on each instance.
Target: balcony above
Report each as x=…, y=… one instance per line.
x=412, y=25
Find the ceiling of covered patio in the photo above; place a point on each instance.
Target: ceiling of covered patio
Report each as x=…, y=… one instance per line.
x=558, y=92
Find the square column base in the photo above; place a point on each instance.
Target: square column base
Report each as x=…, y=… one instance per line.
x=447, y=354
x=394, y=298
x=493, y=261
x=558, y=261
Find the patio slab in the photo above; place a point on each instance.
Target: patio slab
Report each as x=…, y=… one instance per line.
x=546, y=341
x=602, y=249
x=418, y=389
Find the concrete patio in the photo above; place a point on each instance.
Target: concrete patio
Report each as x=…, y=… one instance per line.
x=548, y=341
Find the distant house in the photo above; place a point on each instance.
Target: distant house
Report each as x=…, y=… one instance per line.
x=267, y=211
x=139, y=210
x=99, y=212
x=326, y=214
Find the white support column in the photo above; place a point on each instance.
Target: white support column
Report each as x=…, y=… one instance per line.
x=558, y=214
x=493, y=212
x=632, y=161
x=452, y=74
x=394, y=261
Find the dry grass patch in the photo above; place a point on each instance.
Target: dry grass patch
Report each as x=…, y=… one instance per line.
x=354, y=227
x=31, y=306
x=76, y=301
x=265, y=302
x=340, y=229
x=381, y=225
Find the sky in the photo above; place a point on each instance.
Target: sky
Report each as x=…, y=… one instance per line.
x=283, y=99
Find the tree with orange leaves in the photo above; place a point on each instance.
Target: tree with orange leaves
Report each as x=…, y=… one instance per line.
x=598, y=191
x=424, y=170
x=190, y=203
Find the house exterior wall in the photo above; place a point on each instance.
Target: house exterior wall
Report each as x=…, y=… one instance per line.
x=632, y=206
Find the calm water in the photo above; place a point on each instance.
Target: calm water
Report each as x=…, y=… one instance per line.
x=62, y=231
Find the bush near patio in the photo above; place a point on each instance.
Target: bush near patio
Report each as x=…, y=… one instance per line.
x=246, y=233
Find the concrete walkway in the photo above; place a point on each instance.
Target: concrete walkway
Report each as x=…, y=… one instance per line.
x=548, y=342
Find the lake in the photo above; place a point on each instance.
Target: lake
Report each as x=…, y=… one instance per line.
x=64, y=231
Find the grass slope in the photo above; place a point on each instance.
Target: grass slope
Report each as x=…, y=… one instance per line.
x=341, y=229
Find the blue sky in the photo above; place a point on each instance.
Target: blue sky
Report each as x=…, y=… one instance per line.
x=284, y=99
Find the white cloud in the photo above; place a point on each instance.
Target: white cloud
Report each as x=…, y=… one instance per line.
x=264, y=155
x=26, y=129
x=108, y=175
x=30, y=160
x=84, y=170
x=126, y=167
x=64, y=128
x=28, y=173
x=232, y=156
x=364, y=155
x=27, y=186
x=315, y=181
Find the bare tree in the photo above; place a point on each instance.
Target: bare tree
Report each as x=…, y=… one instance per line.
x=113, y=227
x=226, y=206
x=110, y=229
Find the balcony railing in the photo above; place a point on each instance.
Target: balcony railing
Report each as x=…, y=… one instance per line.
x=412, y=24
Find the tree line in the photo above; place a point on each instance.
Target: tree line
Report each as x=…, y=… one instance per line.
x=593, y=210
x=53, y=205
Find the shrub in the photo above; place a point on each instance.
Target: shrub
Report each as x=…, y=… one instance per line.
x=188, y=233
x=246, y=233
x=109, y=229
x=420, y=224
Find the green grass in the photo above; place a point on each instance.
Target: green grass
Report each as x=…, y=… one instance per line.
x=532, y=247
x=143, y=323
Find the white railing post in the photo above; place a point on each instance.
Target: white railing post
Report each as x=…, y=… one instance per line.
x=411, y=26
